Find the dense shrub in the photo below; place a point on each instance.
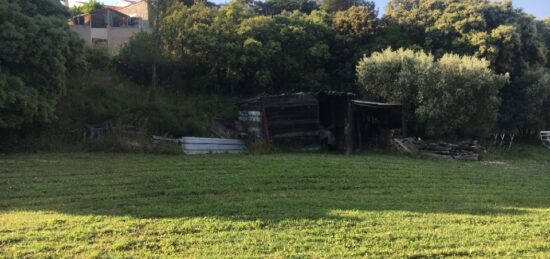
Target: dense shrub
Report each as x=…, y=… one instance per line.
x=460, y=98
x=396, y=76
x=110, y=101
x=451, y=97
x=97, y=57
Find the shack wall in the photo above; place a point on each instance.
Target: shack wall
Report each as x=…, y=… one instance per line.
x=291, y=116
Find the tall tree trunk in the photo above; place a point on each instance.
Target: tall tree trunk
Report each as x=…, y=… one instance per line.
x=155, y=6
x=154, y=76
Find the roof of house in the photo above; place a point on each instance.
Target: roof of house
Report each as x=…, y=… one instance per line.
x=114, y=7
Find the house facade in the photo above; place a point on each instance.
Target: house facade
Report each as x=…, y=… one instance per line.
x=112, y=26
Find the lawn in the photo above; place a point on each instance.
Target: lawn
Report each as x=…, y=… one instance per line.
x=282, y=205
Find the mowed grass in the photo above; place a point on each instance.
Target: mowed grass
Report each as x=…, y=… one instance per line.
x=282, y=205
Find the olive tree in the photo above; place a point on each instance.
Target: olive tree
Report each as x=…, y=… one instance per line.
x=461, y=100
x=451, y=97
x=396, y=76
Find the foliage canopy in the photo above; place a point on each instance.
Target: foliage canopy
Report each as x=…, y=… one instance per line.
x=36, y=47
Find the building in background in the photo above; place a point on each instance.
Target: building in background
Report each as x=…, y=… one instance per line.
x=112, y=26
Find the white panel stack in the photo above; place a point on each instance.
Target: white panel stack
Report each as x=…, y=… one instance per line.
x=194, y=145
x=545, y=138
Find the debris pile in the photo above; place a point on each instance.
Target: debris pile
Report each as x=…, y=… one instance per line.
x=464, y=150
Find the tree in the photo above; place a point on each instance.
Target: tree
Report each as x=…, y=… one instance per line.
x=202, y=41
x=452, y=97
x=510, y=39
x=236, y=49
x=36, y=47
x=88, y=7
x=341, y=5
x=357, y=21
x=543, y=28
x=272, y=7
x=524, y=100
x=285, y=52
x=353, y=29
x=497, y=31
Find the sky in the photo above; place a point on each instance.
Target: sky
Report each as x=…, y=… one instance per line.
x=538, y=8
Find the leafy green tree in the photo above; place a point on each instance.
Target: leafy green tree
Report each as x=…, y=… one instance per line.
x=272, y=7
x=36, y=48
x=509, y=38
x=284, y=52
x=524, y=100
x=201, y=41
x=357, y=21
x=353, y=29
x=235, y=49
x=497, y=31
x=543, y=28
x=460, y=99
x=340, y=5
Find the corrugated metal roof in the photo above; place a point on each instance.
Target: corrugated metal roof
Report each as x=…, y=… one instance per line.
x=375, y=104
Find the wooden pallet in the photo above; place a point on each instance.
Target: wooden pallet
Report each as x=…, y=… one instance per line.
x=545, y=138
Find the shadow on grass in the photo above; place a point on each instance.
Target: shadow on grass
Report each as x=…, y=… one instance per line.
x=267, y=187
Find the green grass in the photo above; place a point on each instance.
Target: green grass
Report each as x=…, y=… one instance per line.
x=283, y=205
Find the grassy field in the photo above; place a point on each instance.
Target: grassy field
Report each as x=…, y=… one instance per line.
x=284, y=205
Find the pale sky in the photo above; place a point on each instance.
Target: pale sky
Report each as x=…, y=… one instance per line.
x=538, y=8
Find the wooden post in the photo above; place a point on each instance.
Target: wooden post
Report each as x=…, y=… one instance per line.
x=348, y=130
x=359, y=129
x=404, y=121
x=265, y=126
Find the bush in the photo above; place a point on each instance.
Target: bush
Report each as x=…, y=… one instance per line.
x=460, y=99
x=125, y=112
x=451, y=97
x=396, y=76
x=105, y=100
x=97, y=57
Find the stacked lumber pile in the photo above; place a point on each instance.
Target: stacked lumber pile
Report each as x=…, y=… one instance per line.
x=465, y=150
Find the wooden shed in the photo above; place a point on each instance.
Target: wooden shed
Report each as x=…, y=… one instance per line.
x=374, y=122
x=306, y=118
x=280, y=117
